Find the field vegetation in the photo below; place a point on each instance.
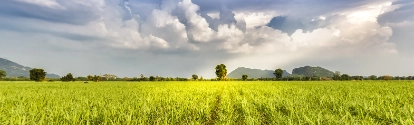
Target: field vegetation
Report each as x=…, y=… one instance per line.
x=202, y=102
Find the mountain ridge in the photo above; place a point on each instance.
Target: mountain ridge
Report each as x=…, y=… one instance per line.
x=253, y=73
x=14, y=69
x=312, y=71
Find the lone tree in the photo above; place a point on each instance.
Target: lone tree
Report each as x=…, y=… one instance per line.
x=194, y=76
x=221, y=72
x=109, y=76
x=244, y=77
x=2, y=74
x=97, y=78
x=90, y=78
x=278, y=73
x=67, y=78
x=337, y=75
x=152, y=78
x=37, y=74
x=142, y=77
x=345, y=77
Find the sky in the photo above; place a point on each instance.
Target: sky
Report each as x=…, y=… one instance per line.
x=178, y=38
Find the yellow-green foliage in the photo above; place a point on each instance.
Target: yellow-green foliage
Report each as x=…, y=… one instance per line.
x=367, y=102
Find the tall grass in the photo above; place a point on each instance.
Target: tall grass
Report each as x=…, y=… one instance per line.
x=367, y=102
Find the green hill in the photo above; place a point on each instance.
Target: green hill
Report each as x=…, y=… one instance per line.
x=253, y=73
x=312, y=71
x=15, y=70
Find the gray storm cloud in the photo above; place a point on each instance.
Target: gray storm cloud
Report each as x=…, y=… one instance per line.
x=180, y=38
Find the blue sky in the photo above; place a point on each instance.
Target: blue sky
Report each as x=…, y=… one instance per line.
x=184, y=37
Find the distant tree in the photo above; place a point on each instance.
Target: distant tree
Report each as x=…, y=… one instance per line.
x=194, y=76
x=90, y=78
x=135, y=79
x=109, y=76
x=70, y=77
x=152, y=78
x=278, y=73
x=361, y=78
x=67, y=78
x=397, y=78
x=337, y=75
x=345, y=77
x=372, y=77
x=221, y=72
x=387, y=77
x=315, y=78
x=81, y=78
x=2, y=74
x=142, y=77
x=37, y=74
x=97, y=78
x=201, y=78
x=307, y=78
x=106, y=76
x=244, y=77
x=126, y=79
x=357, y=78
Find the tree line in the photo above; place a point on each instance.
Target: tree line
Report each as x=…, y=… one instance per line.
x=220, y=71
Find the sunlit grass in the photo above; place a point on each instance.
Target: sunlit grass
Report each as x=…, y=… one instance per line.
x=352, y=102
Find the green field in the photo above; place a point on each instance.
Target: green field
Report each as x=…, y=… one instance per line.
x=351, y=102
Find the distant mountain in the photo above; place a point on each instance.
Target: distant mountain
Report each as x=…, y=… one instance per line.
x=16, y=70
x=253, y=73
x=312, y=71
x=52, y=76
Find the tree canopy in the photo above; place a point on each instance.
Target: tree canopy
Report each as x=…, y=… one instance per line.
x=67, y=78
x=94, y=78
x=109, y=76
x=37, y=74
x=194, y=76
x=152, y=78
x=2, y=74
x=337, y=75
x=244, y=77
x=372, y=77
x=345, y=77
x=221, y=72
x=278, y=73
